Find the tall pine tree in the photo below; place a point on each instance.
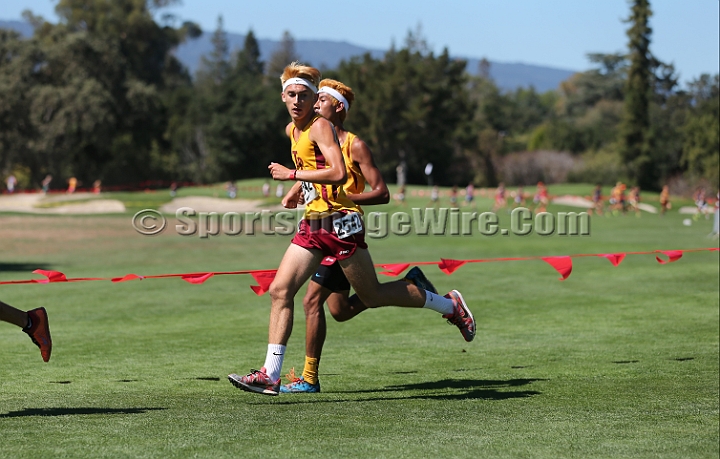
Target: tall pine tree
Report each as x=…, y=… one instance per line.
x=283, y=55
x=636, y=120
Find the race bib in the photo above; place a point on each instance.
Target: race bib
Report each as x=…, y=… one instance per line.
x=309, y=192
x=350, y=224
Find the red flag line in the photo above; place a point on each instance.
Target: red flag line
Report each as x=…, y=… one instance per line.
x=264, y=277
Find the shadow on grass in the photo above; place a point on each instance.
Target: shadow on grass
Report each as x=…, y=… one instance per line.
x=445, y=389
x=74, y=411
x=484, y=389
x=23, y=267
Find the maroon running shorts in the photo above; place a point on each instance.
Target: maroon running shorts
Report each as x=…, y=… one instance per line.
x=319, y=234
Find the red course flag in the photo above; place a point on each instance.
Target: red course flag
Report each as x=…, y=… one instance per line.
x=394, y=269
x=52, y=276
x=673, y=255
x=197, y=278
x=615, y=258
x=449, y=266
x=127, y=277
x=562, y=264
x=264, y=278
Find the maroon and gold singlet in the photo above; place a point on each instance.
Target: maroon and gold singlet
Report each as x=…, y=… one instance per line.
x=320, y=200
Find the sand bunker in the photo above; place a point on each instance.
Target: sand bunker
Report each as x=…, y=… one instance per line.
x=62, y=204
x=89, y=203
x=578, y=201
x=573, y=201
x=208, y=204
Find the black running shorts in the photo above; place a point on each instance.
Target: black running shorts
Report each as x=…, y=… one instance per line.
x=331, y=277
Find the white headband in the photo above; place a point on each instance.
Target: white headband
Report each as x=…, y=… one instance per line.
x=301, y=81
x=337, y=95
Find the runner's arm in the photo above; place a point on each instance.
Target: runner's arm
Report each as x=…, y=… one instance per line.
x=378, y=193
x=323, y=134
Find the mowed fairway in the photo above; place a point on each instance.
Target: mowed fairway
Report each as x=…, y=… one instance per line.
x=613, y=362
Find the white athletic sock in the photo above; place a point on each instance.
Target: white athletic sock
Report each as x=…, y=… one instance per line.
x=438, y=303
x=274, y=360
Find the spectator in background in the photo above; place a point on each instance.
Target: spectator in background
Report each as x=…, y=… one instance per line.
x=11, y=182
x=72, y=185
x=617, y=199
x=400, y=196
x=453, y=196
x=597, y=199
x=231, y=189
x=46, y=183
x=665, y=203
x=435, y=196
x=519, y=198
x=716, y=220
x=700, y=203
x=470, y=195
x=541, y=198
x=634, y=200
x=266, y=189
x=500, y=200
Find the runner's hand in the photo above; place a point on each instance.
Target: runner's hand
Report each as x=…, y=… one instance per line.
x=280, y=172
x=292, y=200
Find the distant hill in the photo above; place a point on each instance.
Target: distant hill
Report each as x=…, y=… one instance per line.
x=328, y=54
x=319, y=53
x=24, y=28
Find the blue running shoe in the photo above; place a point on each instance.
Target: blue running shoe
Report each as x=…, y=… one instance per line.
x=416, y=277
x=299, y=385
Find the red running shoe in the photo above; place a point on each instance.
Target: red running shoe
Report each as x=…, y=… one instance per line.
x=256, y=381
x=461, y=317
x=39, y=332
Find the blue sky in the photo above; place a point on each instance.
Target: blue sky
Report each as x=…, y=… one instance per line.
x=557, y=34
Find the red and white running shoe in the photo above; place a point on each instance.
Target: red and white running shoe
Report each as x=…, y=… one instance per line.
x=461, y=317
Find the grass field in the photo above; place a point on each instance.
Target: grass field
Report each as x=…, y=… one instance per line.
x=613, y=362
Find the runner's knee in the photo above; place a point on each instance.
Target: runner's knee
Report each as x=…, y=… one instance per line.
x=369, y=300
x=280, y=292
x=342, y=315
x=349, y=309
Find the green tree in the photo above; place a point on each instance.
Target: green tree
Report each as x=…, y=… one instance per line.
x=587, y=111
x=487, y=127
x=193, y=135
x=233, y=121
x=16, y=79
x=249, y=57
x=409, y=106
x=100, y=79
x=635, y=127
x=701, y=146
x=248, y=121
x=282, y=56
x=216, y=65
x=528, y=109
x=668, y=111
